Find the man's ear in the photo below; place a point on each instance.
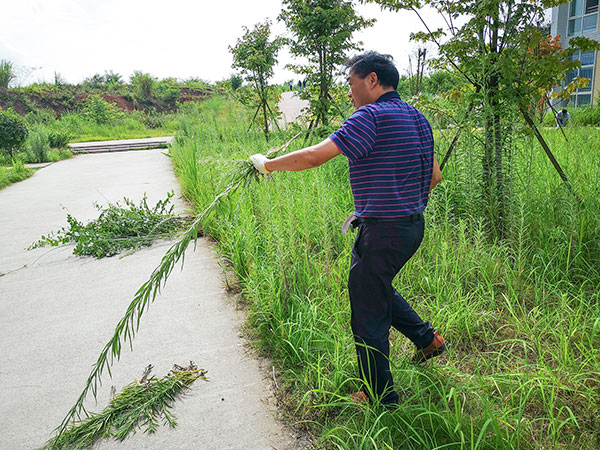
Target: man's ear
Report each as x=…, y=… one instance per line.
x=373, y=79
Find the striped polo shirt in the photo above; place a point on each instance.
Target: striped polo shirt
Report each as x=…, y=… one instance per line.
x=389, y=145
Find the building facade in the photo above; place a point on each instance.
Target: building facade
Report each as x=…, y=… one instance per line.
x=580, y=18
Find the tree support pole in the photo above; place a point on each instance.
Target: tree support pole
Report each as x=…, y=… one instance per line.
x=544, y=145
x=451, y=148
x=254, y=118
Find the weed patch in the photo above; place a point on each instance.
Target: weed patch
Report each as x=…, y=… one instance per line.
x=17, y=172
x=118, y=228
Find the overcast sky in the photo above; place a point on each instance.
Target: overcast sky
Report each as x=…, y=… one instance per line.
x=174, y=38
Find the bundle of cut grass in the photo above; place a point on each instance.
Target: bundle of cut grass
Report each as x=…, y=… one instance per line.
x=140, y=404
x=242, y=175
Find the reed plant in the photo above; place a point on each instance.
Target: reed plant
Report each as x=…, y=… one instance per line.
x=521, y=314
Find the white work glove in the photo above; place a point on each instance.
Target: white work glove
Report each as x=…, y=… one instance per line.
x=259, y=163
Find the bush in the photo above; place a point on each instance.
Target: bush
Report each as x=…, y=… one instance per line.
x=37, y=146
x=587, y=115
x=98, y=110
x=58, y=138
x=40, y=116
x=13, y=132
x=143, y=84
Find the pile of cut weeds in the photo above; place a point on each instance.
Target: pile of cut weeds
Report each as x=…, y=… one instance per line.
x=118, y=228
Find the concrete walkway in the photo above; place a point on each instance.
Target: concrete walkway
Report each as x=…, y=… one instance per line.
x=291, y=107
x=58, y=310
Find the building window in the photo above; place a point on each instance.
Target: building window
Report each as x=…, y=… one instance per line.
x=583, y=17
x=584, y=99
x=583, y=95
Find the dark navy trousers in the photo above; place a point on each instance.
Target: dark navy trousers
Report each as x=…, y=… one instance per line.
x=380, y=250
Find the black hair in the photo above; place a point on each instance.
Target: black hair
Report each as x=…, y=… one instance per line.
x=383, y=65
x=564, y=110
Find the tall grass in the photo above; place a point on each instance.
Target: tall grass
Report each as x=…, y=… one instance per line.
x=17, y=172
x=522, y=315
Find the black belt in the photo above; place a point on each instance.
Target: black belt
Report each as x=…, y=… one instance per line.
x=358, y=220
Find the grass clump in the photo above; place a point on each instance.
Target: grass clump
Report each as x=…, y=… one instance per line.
x=118, y=228
x=141, y=404
x=13, y=174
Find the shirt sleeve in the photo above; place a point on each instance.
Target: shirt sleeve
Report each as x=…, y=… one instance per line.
x=356, y=137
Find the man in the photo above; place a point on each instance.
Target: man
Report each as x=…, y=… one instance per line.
x=389, y=146
x=562, y=118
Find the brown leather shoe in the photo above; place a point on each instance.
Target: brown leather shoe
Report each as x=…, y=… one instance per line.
x=436, y=348
x=360, y=398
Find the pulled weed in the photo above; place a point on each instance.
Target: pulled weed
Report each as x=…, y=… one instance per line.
x=140, y=404
x=118, y=228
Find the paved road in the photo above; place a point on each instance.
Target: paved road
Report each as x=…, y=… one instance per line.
x=291, y=107
x=57, y=311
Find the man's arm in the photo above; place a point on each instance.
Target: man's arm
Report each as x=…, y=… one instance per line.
x=306, y=158
x=437, y=174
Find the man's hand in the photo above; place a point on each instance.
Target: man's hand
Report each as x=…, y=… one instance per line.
x=259, y=163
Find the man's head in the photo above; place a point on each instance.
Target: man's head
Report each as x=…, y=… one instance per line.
x=371, y=75
x=564, y=111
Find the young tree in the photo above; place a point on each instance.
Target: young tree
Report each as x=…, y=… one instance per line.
x=496, y=51
x=255, y=55
x=322, y=34
x=416, y=78
x=7, y=74
x=143, y=83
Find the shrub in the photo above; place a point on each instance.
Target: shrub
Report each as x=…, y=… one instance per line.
x=37, y=146
x=143, y=84
x=587, y=115
x=58, y=138
x=236, y=82
x=40, y=116
x=98, y=110
x=7, y=74
x=13, y=132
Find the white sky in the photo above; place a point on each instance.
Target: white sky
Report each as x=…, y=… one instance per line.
x=175, y=38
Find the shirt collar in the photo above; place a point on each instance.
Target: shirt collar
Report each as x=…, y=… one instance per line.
x=388, y=96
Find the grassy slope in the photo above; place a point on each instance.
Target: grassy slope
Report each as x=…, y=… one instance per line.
x=522, y=315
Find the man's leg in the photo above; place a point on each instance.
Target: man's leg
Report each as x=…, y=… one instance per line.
x=379, y=252
x=406, y=320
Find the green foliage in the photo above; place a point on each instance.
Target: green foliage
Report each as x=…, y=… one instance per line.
x=42, y=116
x=509, y=63
x=17, y=172
x=255, y=55
x=588, y=115
x=140, y=404
x=109, y=81
x=13, y=132
x=521, y=314
x=236, y=82
x=96, y=109
x=7, y=74
x=117, y=228
x=143, y=84
x=58, y=138
x=322, y=34
x=37, y=145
